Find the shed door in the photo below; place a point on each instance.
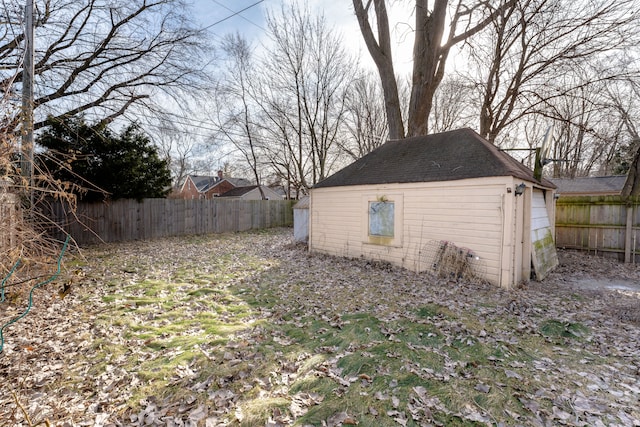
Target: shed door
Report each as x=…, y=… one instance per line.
x=543, y=251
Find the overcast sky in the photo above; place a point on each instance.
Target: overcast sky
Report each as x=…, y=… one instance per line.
x=219, y=16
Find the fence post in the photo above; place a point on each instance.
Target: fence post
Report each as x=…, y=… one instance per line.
x=628, y=233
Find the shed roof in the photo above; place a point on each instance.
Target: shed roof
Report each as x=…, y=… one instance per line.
x=302, y=203
x=588, y=185
x=447, y=156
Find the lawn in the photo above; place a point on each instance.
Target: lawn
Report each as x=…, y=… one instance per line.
x=249, y=329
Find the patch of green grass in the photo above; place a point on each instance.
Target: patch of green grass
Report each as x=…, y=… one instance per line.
x=578, y=297
x=432, y=310
x=243, y=324
x=168, y=319
x=421, y=334
x=320, y=413
x=256, y=411
x=203, y=291
x=557, y=329
x=313, y=383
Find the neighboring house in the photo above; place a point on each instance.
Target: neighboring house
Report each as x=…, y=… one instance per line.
x=410, y=200
x=251, y=192
x=208, y=187
x=291, y=194
x=590, y=186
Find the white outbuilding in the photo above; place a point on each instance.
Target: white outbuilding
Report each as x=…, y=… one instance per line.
x=301, y=220
x=424, y=202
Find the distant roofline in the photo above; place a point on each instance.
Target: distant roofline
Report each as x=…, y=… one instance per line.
x=596, y=185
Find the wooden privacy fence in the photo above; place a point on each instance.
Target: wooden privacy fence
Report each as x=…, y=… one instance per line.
x=605, y=225
x=9, y=217
x=124, y=220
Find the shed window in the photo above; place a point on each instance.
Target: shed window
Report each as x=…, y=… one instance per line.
x=381, y=219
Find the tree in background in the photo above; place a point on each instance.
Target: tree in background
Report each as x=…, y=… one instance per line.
x=520, y=66
x=547, y=58
x=453, y=105
x=102, y=57
x=537, y=54
x=96, y=163
x=307, y=73
x=431, y=50
x=623, y=96
x=237, y=116
x=177, y=145
x=283, y=109
x=365, y=122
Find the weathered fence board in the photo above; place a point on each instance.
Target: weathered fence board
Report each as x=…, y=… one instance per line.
x=605, y=225
x=9, y=218
x=124, y=220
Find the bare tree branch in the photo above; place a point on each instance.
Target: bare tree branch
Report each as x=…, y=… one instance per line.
x=104, y=57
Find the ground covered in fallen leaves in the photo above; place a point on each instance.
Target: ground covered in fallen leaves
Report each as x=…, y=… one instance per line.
x=249, y=329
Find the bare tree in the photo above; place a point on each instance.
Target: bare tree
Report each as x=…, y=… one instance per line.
x=536, y=51
x=103, y=57
x=574, y=134
x=594, y=129
x=177, y=145
x=452, y=105
x=430, y=51
x=236, y=121
x=365, y=121
x=306, y=75
x=624, y=96
x=587, y=135
x=381, y=54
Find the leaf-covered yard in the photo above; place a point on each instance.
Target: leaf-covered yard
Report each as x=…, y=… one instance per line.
x=249, y=329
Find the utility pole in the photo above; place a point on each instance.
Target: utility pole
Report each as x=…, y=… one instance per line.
x=26, y=164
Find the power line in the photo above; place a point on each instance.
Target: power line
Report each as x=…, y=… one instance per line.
x=243, y=17
x=201, y=124
x=233, y=14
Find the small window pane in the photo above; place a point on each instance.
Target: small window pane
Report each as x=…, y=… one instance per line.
x=381, y=219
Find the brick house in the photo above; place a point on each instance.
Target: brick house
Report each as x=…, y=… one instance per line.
x=208, y=187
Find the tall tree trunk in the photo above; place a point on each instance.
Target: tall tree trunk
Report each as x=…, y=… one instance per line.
x=429, y=54
x=632, y=183
x=381, y=54
x=428, y=67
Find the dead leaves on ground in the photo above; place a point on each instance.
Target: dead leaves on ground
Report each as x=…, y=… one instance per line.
x=590, y=377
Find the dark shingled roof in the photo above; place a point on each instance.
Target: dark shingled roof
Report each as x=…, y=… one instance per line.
x=447, y=156
x=204, y=183
x=238, y=191
x=596, y=185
